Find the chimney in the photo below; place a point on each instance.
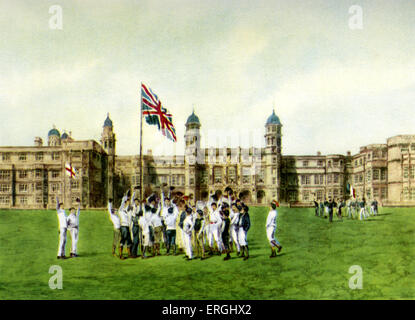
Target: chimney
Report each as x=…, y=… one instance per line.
x=38, y=142
x=318, y=153
x=149, y=152
x=349, y=153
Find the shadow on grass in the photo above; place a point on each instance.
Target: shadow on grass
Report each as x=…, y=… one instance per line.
x=93, y=254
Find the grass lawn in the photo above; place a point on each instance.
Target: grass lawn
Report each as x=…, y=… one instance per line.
x=313, y=264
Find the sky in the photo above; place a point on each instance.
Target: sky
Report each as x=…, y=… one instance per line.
x=334, y=88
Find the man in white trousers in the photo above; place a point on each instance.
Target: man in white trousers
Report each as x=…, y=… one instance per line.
x=349, y=208
x=63, y=225
x=244, y=224
x=188, y=225
x=144, y=224
x=271, y=227
x=215, y=228
x=234, y=215
x=115, y=219
x=125, y=220
x=362, y=205
x=73, y=228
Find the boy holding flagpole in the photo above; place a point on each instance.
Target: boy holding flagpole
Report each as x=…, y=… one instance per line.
x=63, y=225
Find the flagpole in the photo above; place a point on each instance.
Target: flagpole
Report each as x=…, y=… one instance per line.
x=141, y=145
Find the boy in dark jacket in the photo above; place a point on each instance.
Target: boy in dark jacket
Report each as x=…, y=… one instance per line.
x=244, y=225
x=226, y=222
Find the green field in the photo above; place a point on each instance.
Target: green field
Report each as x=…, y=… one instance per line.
x=314, y=263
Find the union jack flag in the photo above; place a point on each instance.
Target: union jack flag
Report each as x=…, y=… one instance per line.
x=156, y=114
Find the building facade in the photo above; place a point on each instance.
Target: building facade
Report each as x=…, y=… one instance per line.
x=32, y=177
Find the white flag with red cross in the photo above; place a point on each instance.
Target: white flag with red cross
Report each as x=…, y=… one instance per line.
x=70, y=171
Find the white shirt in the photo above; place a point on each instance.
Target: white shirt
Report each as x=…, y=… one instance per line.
x=155, y=220
x=188, y=224
x=144, y=225
x=272, y=219
x=147, y=215
x=218, y=202
x=114, y=217
x=165, y=210
x=234, y=217
x=62, y=219
x=125, y=218
x=73, y=219
x=215, y=218
x=170, y=219
x=124, y=213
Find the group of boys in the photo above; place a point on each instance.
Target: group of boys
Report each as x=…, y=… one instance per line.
x=355, y=205
x=200, y=228
x=327, y=208
x=68, y=223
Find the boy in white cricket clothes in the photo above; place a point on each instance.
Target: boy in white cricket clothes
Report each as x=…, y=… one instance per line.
x=63, y=224
x=206, y=230
x=115, y=219
x=144, y=224
x=125, y=219
x=157, y=225
x=271, y=226
x=215, y=225
x=188, y=225
x=362, y=205
x=244, y=224
x=349, y=208
x=170, y=215
x=234, y=215
x=73, y=228
x=166, y=206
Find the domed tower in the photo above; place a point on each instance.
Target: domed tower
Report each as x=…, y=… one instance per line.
x=192, y=135
x=108, y=143
x=193, y=154
x=54, y=137
x=273, y=156
x=66, y=137
x=273, y=133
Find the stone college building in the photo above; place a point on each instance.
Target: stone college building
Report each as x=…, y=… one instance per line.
x=32, y=177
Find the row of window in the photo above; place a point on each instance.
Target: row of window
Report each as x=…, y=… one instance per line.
x=24, y=187
x=406, y=149
x=376, y=154
x=408, y=193
x=37, y=173
x=308, y=179
x=320, y=163
x=374, y=174
x=23, y=200
x=24, y=174
x=409, y=172
x=308, y=195
x=23, y=156
x=274, y=129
